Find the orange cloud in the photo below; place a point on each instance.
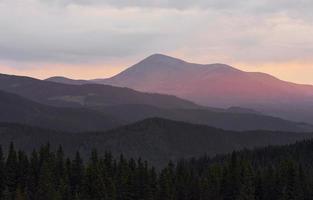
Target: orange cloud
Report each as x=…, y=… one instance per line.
x=297, y=72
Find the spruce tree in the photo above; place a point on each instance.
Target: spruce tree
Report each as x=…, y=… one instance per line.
x=33, y=175
x=46, y=188
x=76, y=175
x=2, y=175
x=247, y=187
x=11, y=170
x=94, y=187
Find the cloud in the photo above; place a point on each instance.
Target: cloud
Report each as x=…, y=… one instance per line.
x=34, y=31
x=255, y=6
x=83, y=33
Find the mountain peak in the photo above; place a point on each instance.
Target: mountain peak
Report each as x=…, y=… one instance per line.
x=160, y=56
x=56, y=78
x=65, y=80
x=161, y=59
x=166, y=61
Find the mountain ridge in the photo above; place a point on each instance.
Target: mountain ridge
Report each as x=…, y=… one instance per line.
x=218, y=85
x=16, y=109
x=59, y=94
x=127, y=105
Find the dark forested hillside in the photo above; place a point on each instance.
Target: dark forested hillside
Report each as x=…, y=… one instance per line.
x=14, y=108
x=159, y=140
x=284, y=173
x=156, y=140
x=232, y=119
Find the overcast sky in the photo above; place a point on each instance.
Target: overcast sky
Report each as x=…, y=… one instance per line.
x=98, y=38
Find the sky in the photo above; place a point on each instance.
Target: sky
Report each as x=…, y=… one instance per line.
x=85, y=39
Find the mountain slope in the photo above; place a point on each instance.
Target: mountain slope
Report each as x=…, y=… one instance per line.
x=218, y=85
x=20, y=110
x=58, y=94
x=228, y=119
x=157, y=140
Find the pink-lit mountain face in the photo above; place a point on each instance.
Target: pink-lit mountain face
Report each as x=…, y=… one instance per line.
x=218, y=85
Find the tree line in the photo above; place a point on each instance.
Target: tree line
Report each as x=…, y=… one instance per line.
x=277, y=173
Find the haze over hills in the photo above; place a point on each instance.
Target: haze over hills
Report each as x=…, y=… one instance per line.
x=156, y=140
x=126, y=106
x=61, y=79
x=58, y=94
x=218, y=85
x=228, y=120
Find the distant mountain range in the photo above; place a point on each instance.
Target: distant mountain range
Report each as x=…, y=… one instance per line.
x=154, y=139
x=89, y=95
x=61, y=79
x=215, y=85
x=99, y=107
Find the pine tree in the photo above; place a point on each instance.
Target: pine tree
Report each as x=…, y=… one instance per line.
x=46, y=188
x=290, y=189
x=20, y=194
x=60, y=166
x=2, y=175
x=23, y=169
x=214, y=181
x=11, y=170
x=76, y=175
x=204, y=189
x=166, y=184
x=152, y=189
x=247, y=188
x=231, y=179
x=123, y=180
x=94, y=185
x=33, y=175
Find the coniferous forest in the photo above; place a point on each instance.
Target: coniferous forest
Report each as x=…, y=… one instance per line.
x=283, y=173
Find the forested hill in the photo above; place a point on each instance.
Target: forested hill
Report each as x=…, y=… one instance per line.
x=274, y=172
x=156, y=140
x=269, y=173
x=17, y=109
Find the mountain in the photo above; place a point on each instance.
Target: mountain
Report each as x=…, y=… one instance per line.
x=61, y=79
x=58, y=94
x=20, y=110
x=218, y=85
x=155, y=139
